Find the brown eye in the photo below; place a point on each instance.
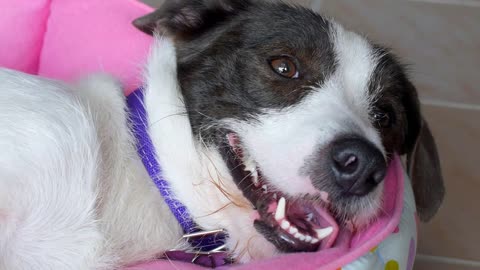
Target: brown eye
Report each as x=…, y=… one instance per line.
x=383, y=119
x=285, y=67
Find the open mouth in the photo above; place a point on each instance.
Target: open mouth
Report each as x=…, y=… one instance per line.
x=291, y=224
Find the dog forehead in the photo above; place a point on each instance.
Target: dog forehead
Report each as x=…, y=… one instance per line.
x=357, y=62
x=279, y=21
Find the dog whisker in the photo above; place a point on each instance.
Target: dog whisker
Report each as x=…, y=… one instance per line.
x=166, y=117
x=245, y=178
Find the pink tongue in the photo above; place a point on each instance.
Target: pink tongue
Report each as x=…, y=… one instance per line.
x=326, y=220
x=322, y=220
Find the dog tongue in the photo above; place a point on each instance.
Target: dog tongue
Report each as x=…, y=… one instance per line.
x=319, y=219
x=326, y=220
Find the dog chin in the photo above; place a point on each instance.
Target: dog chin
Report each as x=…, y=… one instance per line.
x=359, y=212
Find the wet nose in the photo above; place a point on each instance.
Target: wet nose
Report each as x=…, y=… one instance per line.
x=358, y=166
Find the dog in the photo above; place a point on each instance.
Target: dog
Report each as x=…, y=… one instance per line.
x=269, y=121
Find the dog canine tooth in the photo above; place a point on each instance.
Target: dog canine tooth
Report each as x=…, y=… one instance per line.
x=274, y=196
x=322, y=233
x=249, y=164
x=293, y=230
x=265, y=189
x=285, y=224
x=309, y=217
x=254, y=175
x=280, y=212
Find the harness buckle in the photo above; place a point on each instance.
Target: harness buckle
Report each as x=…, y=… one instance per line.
x=201, y=254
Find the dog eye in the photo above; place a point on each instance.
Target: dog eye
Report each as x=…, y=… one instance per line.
x=285, y=67
x=382, y=118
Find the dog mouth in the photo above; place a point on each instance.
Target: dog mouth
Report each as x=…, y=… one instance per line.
x=292, y=224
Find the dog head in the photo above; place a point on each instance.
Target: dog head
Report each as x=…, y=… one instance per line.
x=305, y=114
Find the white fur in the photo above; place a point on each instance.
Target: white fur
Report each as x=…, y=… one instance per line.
x=74, y=194
x=46, y=139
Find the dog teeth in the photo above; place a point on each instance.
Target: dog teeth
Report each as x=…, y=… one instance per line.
x=280, y=212
x=252, y=168
x=265, y=189
x=285, y=224
x=274, y=196
x=303, y=237
x=254, y=175
x=292, y=230
x=322, y=233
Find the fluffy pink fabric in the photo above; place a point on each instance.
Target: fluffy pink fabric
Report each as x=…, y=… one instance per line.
x=66, y=39
x=22, y=29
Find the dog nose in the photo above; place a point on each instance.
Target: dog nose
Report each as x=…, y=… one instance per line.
x=358, y=166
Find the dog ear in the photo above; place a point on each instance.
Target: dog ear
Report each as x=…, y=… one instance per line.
x=423, y=166
x=423, y=163
x=187, y=18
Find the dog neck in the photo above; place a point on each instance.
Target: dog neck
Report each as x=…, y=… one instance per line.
x=197, y=174
x=205, y=241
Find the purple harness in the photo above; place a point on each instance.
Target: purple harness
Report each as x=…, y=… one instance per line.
x=208, y=246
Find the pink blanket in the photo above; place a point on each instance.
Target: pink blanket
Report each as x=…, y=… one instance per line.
x=66, y=39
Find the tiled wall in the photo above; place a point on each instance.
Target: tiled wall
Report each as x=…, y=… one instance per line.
x=440, y=39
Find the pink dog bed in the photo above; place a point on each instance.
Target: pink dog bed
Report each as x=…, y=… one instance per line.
x=66, y=39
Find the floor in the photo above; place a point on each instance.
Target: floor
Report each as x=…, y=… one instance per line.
x=440, y=39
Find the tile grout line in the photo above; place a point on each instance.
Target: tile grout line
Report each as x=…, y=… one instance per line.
x=447, y=260
x=471, y=3
x=449, y=104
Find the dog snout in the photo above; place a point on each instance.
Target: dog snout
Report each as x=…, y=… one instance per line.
x=358, y=166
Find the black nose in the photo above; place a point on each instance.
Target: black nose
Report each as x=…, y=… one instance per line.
x=358, y=166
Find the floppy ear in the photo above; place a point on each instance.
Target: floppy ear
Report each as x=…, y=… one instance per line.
x=187, y=18
x=424, y=169
x=423, y=164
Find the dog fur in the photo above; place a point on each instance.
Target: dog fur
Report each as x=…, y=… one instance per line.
x=75, y=195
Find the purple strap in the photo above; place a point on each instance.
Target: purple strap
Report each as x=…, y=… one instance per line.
x=145, y=149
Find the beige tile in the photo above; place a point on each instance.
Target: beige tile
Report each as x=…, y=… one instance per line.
x=157, y=3
x=426, y=265
x=440, y=42
x=471, y=3
x=299, y=2
x=153, y=3
x=455, y=231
